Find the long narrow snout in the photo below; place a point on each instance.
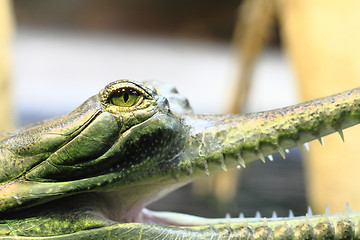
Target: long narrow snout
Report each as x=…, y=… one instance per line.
x=223, y=141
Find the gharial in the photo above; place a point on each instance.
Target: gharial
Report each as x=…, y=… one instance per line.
x=91, y=173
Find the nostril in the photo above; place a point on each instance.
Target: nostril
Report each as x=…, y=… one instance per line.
x=163, y=101
x=186, y=103
x=174, y=90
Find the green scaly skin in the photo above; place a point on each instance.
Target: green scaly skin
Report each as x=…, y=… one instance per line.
x=91, y=173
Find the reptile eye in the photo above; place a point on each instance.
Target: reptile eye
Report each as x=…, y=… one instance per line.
x=125, y=97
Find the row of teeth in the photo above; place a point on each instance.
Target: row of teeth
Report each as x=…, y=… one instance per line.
x=304, y=147
x=282, y=153
x=309, y=213
x=291, y=214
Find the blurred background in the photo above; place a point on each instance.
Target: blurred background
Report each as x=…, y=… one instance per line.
x=94, y=42
x=62, y=52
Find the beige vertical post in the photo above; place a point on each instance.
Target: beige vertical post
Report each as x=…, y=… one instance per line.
x=255, y=20
x=6, y=30
x=322, y=38
x=252, y=28
x=323, y=41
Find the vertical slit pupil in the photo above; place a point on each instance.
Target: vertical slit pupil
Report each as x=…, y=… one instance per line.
x=126, y=96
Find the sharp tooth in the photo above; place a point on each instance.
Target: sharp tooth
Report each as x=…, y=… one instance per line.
x=242, y=162
x=327, y=210
x=341, y=134
x=227, y=216
x=287, y=151
x=281, y=151
x=306, y=145
x=327, y=213
x=271, y=158
x=309, y=211
x=302, y=147
x=321, y=140
x=257, y=214
x=348, y=211
x=291, y=214
x=348, y=207
x=223, y=166
x=241, y=215
x=274, y=214
x=261, y=156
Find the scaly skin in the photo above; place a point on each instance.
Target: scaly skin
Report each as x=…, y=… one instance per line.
x=89, y=174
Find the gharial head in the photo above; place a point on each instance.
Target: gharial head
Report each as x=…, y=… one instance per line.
x=125, y=129
x=124, y=135
x=133, y=143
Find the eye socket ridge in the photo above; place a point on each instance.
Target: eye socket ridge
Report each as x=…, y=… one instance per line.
x=125, y=97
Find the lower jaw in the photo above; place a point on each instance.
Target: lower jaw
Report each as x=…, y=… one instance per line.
x=180, y=219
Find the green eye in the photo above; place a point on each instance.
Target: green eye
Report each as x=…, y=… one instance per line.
x=125, y=97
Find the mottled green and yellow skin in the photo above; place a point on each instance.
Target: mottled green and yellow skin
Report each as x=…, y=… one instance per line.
x=91, y=173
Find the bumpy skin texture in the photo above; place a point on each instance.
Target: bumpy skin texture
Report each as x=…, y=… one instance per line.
x=89, y=174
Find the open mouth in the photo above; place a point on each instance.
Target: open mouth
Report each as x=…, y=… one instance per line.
x=137, y=150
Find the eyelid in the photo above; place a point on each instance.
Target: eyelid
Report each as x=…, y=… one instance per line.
x=123, y=90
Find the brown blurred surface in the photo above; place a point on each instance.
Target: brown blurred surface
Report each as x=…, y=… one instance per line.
x=207, y=19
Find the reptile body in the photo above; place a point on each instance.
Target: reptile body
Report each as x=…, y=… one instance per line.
x=90, y=174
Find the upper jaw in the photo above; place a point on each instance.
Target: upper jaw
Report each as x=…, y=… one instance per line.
x=218, y=142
